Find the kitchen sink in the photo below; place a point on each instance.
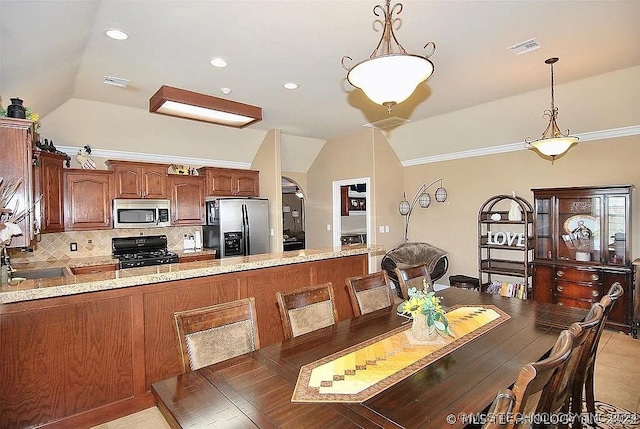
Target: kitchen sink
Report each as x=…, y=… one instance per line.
x=42, y=273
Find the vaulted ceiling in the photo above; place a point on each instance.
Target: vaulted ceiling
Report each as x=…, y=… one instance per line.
x=54, y=50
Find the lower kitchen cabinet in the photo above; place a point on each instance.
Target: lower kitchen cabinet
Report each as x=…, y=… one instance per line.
x=62, y=360
x=81, y=360
x=87, y=199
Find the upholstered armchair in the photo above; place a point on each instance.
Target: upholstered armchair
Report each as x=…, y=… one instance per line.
x=409, y=254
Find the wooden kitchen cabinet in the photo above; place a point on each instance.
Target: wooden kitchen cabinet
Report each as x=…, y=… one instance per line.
x=223, y=182
x=87, y=199
x=78, y=361
x=139, y=180
x=94, y=269
x=197, y=257
x=187, y=199
x=49, y=185
x=16, y=147
x=582, y=246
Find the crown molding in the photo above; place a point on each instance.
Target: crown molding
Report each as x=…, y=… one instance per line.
x=512, y=147
x=155, y=158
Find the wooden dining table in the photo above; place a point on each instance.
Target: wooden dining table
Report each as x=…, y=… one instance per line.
x=255, y=389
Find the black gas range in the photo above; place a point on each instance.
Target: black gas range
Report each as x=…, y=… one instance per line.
x=142, y=251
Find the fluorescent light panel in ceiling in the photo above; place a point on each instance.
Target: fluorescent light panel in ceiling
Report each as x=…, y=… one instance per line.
x=201, y=107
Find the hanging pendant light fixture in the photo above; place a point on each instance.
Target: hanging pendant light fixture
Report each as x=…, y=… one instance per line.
x=552, y=142
x=390, y=75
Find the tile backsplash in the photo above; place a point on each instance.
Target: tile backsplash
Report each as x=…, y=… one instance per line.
x=57, y=246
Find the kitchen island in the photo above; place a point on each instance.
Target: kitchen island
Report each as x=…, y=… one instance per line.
x=79, y=350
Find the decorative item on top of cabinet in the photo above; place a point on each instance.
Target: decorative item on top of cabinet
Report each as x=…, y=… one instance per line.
x=16, y=146
x=49, y=206
x=582, y=246
x=225, y=182
x=187, y=199
x=505, y=245
x=87, y=199
x=139, y=179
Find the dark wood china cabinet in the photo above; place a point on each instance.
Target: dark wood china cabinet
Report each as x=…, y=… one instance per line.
x=582, y=246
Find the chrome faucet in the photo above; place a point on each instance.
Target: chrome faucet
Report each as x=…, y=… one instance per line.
x=6, y=262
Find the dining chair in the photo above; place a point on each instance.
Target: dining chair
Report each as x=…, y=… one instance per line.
x=212, y=334
x=501, y=408
x=413, y=276
x=307, y=309
x=370, y=292
x=590, y=327
x=583, y=381
x=534, y=388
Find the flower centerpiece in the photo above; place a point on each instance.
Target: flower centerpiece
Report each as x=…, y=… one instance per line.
x=429, y=317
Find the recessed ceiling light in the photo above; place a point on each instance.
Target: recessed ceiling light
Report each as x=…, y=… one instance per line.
x=218, y=62
x=116, y=34
x=225, y=91
x=290, y=85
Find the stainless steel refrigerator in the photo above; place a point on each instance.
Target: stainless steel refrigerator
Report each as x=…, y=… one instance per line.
x=237, y=226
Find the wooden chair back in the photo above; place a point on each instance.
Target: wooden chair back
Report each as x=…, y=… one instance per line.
x=307, y=309
x=500, y=411
x=212, y=334
x=370, y=292
x=536, y=381
x=590, y=327
x=583, y=380
x=413, y=276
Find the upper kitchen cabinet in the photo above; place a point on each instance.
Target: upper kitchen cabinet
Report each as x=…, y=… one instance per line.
x=16, y=146
x=225, y=182
x=139, y=180
x=87, y=199
x=187, y=199
x=49, y=208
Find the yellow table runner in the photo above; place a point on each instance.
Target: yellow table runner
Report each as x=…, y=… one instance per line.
x=362, y=371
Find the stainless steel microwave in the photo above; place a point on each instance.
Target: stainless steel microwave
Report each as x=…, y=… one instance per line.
x=140, y=213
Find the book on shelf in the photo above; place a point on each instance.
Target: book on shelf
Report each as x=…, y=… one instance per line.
x=512, y=290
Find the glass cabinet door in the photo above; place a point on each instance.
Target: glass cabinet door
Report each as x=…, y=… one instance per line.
x=544, y=229
x=579, y=224
x=616, y=230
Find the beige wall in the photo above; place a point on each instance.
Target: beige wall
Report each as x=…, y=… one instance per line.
x=106, y=126
x=343, y=158
x=386, y=193
x=267, y=161
x=470, y=182
x=599, y=103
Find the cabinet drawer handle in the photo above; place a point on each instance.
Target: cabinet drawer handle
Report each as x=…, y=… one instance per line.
x=560, y=288
x=560, y=273
x=595, y=293
x=595, y=277
x=560, y=304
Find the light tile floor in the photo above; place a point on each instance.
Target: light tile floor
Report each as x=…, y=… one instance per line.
x=617, y=378
x=617, y=374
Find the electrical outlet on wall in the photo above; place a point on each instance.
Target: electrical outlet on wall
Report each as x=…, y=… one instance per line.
x=73, y=247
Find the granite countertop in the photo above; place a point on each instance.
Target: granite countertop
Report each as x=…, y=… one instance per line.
x=28, y=290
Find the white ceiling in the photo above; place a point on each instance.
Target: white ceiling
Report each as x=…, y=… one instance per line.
x=55, y=50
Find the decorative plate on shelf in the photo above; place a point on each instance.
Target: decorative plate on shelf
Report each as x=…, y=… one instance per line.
x=572, y=223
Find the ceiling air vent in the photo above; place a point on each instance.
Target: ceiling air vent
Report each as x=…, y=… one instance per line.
x=115, y=81
x=393, y=121
x=524, y=47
